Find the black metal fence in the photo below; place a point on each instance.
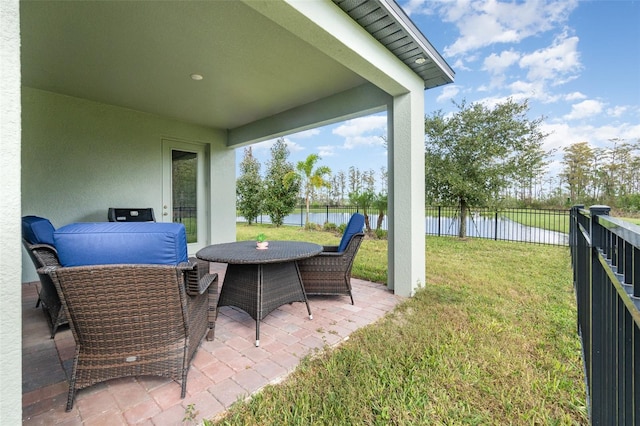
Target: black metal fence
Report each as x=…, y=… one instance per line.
x=540, y=226
x=605, y=255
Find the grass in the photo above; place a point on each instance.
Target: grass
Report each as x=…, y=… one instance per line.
x=490, y=340
x=551, y=220
x=633, y=220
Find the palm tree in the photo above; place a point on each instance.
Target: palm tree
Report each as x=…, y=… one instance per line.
x=312, y=178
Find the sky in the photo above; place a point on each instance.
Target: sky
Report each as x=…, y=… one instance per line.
x=576, y=62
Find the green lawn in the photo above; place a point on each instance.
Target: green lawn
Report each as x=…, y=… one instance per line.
x=544, y=219
x=490, y=340
x=634, y=220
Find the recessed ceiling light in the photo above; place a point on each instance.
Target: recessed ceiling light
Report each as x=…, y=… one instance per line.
x=196, y=77
x=420, y=60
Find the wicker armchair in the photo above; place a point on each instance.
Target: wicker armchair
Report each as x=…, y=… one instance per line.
x=329, y=273
x=45, y=255
x=136, y=304
x=134, y=320
x=37, y=239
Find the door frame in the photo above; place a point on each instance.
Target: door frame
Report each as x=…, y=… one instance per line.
x=202, y=151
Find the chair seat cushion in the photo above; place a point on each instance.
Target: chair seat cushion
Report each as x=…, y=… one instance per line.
x=105, y=243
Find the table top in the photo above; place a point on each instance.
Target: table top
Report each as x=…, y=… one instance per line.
x=245, y=252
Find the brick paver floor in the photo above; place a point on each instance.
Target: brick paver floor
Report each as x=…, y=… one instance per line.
x=223, y=371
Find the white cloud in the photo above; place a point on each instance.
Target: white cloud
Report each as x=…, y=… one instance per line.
x=563, y=134
x=486, y=22
x=363, y=131
x=584, y=109
x=361, y=125
x=305, y=134
x=448, y=93
x=360, y=141
x=575, y=96
x=266, y=146
x=617, y=111
x=327, y=151
x=496, y=64
x=557, y=63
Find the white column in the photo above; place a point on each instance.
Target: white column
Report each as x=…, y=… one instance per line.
x=10, y=233
x=406, y=256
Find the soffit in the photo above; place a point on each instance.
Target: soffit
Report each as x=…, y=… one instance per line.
x=390, y=25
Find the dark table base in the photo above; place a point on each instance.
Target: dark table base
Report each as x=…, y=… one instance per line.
x=259, y=289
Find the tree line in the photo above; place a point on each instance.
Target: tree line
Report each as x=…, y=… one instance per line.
x=609, y=175
x=283, y=186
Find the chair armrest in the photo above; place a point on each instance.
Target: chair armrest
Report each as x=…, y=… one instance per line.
x=329, y=249
x=197, y=276
x=44, y=246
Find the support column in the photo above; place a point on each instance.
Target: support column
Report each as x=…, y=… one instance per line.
x=10, y=212
x=406, y=256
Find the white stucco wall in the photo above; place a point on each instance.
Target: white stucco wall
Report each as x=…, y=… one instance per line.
x=81, y=157
x=10, y=313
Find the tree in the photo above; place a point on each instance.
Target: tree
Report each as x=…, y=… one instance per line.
x=474, y=154
x=578, y=169
x=282, y=184
x=380, y=203
x=355, y=180
x=365, y=200
x=249, y=187
x=312, y=179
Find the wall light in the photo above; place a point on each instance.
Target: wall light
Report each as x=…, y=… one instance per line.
x=196, y=77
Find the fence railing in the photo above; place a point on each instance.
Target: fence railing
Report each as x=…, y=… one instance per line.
x=605, y=256
x=540, y=226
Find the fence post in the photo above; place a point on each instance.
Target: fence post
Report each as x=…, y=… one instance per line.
x=495, y=226
x=600, y=384
x=439, y=219
x=596, y=231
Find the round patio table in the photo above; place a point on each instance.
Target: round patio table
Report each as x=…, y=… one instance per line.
x=259, y=281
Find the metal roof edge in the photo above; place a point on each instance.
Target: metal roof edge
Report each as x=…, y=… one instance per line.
x=403, y=19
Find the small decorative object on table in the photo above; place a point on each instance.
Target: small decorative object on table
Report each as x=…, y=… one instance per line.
x=261, y=242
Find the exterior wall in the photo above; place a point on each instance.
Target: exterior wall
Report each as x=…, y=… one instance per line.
x=80, y=157
x=10, y=313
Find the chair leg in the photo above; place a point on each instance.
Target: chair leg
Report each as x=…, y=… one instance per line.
x=72, y=389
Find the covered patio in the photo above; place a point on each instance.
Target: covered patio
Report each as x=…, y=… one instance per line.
x=97, y=97
x=223, y=371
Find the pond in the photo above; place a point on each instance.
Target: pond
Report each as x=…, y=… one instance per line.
x=478, y=226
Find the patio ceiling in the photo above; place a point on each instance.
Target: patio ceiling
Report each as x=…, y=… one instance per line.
x=141, y=55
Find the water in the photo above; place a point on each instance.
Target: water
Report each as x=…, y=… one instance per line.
x=477, y=226
x=500, y=229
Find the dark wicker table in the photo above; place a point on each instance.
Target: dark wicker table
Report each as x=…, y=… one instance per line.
x=259, y=281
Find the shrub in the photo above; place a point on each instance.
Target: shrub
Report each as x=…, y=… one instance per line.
x=342, y=227
x=381, y=234
x=330, y=227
